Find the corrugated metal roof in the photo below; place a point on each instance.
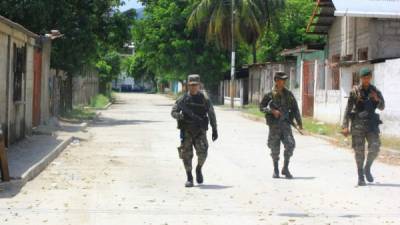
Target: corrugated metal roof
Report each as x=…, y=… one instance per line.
x=368, y=8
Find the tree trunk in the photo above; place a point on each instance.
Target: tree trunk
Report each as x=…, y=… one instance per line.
x=254, y=46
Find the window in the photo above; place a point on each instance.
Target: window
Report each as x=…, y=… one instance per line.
x=19, y=71
x=362, y=54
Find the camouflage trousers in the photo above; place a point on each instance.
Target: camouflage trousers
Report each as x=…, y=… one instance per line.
x=198, y=140
x=358, y=144
x=278, y=133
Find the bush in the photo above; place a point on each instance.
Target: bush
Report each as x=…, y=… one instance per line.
x=99, y=101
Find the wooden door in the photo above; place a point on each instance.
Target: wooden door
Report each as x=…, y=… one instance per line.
x=37, y=70
x=308, y=88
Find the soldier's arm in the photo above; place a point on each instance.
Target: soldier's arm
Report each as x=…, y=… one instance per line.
x=211, y=115
x=264, y=105
x=347, y=112
x=176, y=109
x=296, y=112
x=381, y=102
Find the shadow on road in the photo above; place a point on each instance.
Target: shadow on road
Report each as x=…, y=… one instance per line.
x=304, y=178
x=299, y=215
x=384, y=185
x=213, y=187
x=10, y=190
x=108, y=122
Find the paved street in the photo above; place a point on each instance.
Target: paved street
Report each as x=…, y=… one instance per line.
x=128, y=172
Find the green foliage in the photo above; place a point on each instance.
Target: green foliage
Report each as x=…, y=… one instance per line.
x=214, y=18
x=109, y=66
x=99, y=101
x=167, y=50
x=89, y=27
x=79, y=114
x=288, y=30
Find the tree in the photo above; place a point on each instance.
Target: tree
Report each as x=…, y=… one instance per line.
x=90, y=29
x=166, y=49
x=214, y=18
x=289, y=30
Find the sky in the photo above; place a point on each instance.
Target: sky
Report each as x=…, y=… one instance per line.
x=129, y=4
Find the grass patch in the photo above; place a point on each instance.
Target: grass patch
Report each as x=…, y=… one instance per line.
x=80, y=114
x=391, y=142
x=99, y=101
x=253, y=110
x=320, y=128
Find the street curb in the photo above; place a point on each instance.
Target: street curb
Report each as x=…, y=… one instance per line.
x=36, y=169
x=325, y=138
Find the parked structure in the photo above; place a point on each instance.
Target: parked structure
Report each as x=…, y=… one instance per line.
x=360, y=33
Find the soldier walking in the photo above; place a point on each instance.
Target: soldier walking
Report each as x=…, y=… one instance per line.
x=363, y=101
x=194, y=111
x=280, y=108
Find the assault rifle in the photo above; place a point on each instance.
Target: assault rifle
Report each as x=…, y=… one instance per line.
x=284, y=116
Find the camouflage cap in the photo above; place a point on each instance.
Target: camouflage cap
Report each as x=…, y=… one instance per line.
x=193, y=79
x=280, y=75
x=365, y=72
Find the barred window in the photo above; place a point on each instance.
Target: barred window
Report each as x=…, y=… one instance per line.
x=19, y=68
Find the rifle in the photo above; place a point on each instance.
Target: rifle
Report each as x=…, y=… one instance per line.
x=285, y=116
x=197, y=119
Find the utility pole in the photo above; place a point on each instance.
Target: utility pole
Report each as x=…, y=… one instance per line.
x=233, y=56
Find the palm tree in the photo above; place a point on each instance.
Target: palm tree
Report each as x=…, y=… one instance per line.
x=214, y=17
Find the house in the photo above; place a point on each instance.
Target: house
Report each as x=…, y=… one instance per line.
x=17, y=51
x=360, y=33
x=24, y=79
x=309, y=77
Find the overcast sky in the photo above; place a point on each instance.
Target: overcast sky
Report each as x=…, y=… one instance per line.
x=129, y=4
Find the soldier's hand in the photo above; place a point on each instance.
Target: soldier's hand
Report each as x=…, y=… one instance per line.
x=180, y=116
x=345, y=132
x=214, y=135
x=374, y=96
x=276, y=113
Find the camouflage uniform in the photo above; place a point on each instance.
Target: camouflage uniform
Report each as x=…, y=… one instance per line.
x=194, y=133
x=365, y=122
x=280, y=128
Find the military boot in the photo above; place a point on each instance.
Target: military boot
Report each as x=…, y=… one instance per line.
x=189, y=182
x=276, y=169
x=361, y=180
x=285, y=170
x=199, y=175
x=368, y=175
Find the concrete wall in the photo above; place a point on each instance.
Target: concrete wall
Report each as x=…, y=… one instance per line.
x=341, y=38
x=3, y=77
x=385, y=38
x=15, y=116
x=380, y=36
x=45, y=86
x=388, y=81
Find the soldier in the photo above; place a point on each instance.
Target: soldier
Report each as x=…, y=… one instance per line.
x=363, y=101
x=280, y=108
x=194, y=111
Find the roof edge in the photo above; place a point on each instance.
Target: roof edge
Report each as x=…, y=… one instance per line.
x=18, y=27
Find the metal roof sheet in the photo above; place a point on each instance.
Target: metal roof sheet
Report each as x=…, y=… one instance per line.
x=368, y=8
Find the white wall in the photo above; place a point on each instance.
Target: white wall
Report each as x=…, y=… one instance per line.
x=3, y=77
x=387, y=79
